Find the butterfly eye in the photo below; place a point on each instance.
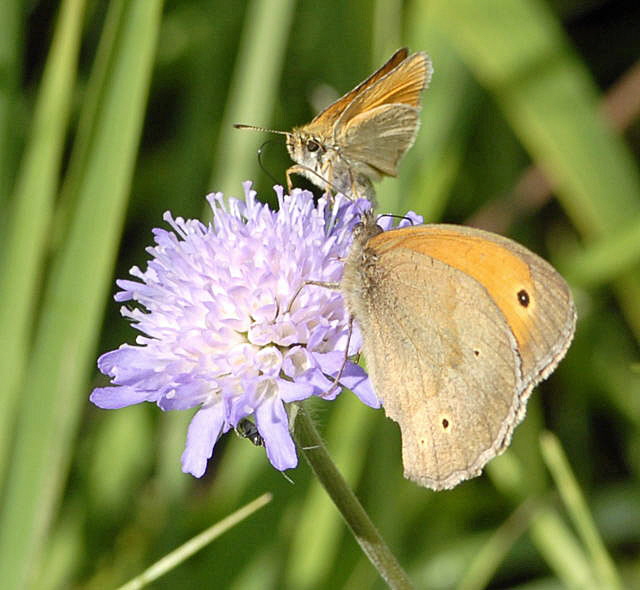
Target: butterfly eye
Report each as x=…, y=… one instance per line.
x=313, y=146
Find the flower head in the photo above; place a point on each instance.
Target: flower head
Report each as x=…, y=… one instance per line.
x=228, y=325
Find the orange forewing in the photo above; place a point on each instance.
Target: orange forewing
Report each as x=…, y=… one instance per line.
x=498, y=269
x=329, y=115
x=403, y=85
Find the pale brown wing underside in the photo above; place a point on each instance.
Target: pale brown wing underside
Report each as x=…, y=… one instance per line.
x=544, y=327
x=424, y=341
x=380, y=137
x=440, y=352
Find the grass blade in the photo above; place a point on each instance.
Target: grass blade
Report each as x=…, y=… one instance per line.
x=605, y=572
x=182, y=553
x=253, y=92
x=55, y=386
x=26, y=242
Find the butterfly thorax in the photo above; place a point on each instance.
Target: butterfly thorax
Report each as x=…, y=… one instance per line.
x=358, y=278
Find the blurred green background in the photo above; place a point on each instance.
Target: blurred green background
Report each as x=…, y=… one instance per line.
x=113, y=112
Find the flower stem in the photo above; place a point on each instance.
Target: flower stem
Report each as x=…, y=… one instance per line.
x=374, y=547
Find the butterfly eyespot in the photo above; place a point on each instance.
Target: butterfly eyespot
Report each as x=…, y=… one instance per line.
x=476, y=352
x=313, y=146
x=445, y=423
x=523, y=298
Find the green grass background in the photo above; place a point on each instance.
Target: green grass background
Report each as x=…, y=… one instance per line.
x=113, y=112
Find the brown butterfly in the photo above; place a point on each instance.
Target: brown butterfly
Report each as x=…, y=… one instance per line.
x=363, y=135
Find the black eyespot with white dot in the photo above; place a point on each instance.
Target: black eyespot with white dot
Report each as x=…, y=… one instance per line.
x=523, y=298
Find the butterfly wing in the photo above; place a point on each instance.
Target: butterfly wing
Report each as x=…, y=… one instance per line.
x=452, y=365
x=381, y=123
x=401, y=85
x=375, y=141
x=329, y=115
x=530, y=293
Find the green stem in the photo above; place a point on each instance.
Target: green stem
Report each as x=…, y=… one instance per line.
x=363, y=529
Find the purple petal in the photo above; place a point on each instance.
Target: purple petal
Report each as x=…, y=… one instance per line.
x=204, y=430
x=222, y=324
x=241, y=405
x=294, y=391
x=355, y=378
x=126, y=364
x=330, y=362
x=114, y=398
x=273, y=425
x=186, y=396
x=317, y=379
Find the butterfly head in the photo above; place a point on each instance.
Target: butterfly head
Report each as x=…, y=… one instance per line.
x=308, y=149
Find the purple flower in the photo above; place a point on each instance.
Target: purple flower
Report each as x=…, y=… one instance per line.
x=222, y=328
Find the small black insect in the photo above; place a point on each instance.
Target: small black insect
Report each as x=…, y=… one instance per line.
x=247, y=429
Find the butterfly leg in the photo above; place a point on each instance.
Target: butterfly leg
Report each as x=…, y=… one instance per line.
x=310, y=174
x=336, y=379
x=325, y=284
x=289, y=172
x=300, y=170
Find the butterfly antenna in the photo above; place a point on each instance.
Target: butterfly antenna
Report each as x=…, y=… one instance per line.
x=261, y=163
x=401, y=217
x=256, y=128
